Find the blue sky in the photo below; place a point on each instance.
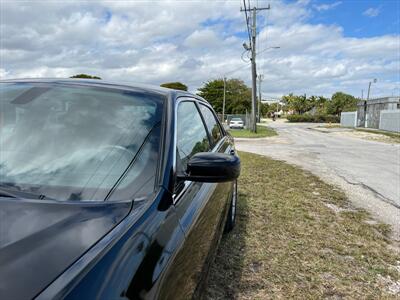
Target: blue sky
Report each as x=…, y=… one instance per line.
x=359, y=18
x=325, y=46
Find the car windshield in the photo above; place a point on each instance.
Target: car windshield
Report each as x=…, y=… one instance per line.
x=237, y=119
x=76, y=142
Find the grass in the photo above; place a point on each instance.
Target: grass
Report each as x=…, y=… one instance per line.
x=262, y=131
x=330, y=125
x=298, y=237
x=393, y=135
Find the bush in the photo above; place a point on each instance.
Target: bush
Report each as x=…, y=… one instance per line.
x=314, y=118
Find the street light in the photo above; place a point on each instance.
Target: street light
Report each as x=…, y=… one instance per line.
x=260, y=78
x=274, y=47
x=246, y=47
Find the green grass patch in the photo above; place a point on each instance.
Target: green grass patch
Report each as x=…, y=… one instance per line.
x=262, y=131
x=298, y=237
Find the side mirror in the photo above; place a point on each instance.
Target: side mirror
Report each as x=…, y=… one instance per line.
x=212, y=167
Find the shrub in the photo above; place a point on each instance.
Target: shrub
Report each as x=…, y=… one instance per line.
x=320, y=118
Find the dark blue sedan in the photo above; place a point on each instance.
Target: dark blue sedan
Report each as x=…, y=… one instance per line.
x=110, y=191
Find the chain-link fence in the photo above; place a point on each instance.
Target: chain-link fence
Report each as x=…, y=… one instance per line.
x=228, y=117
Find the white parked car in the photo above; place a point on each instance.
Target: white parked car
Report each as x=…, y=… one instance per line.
x=236, y=123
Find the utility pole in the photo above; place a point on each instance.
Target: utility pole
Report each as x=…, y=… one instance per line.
x=260, y=78
x=252, y=48
x=223, y=102
x=253, y=73
x=369, y=87
x=365, y=104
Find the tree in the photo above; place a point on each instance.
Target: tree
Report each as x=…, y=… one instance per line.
x=320, y=104
x=341, y=102
x=175, y=86
x=299, y=104
x=238, y=95
x=264, y=109
x=85, y=76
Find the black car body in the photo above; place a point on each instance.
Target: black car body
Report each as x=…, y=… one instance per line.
x=143, y=234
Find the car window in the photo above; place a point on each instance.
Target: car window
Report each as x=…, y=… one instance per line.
x=211, y=123
x=191, y=133
x=140, y=178
x=72, y=142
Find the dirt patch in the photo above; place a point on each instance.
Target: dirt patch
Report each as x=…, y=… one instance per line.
x=369, y=136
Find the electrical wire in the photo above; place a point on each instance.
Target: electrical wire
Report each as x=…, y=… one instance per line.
x=247, y=20
x=237, y=69
x=246, y=61
x=262, y=58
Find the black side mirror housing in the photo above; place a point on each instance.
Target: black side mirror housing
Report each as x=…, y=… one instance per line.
x=212, y=167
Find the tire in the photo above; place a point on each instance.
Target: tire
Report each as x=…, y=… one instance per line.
x=231, y=219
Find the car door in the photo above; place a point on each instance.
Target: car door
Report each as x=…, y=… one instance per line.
x=201, y=207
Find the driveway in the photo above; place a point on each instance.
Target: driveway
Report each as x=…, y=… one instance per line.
x=368, y=171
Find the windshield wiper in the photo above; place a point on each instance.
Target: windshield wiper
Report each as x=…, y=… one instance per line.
x=4, y=192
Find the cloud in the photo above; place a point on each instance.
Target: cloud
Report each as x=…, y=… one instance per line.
x=190, y=42
x=326, y=6
x=372, y=12
x=202, y=38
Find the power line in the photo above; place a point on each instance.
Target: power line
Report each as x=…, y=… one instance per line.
x=237, y=69
x=253, y=62
x=264, y=26
x=246, y=61
x=247, y=20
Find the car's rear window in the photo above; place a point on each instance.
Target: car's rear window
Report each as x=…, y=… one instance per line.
x=74, y=142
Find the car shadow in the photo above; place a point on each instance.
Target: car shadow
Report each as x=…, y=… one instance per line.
x=226, y=270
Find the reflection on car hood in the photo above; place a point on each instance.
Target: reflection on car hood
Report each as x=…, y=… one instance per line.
x=40, y=239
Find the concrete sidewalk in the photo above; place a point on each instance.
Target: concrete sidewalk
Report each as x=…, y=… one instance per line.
x=368, y=171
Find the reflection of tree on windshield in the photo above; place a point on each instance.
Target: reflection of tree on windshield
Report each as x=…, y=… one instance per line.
x=191, y=133
x=215, y=132
x=202, y=146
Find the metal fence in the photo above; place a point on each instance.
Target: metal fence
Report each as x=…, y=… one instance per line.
x=390, y=120
x=348, y=119
x=245, y=118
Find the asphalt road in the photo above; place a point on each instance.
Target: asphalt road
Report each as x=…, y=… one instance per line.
x=368, y=171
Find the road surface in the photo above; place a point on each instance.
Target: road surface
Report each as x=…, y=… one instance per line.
x=368, y=171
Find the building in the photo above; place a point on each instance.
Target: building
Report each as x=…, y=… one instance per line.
x=370, y=112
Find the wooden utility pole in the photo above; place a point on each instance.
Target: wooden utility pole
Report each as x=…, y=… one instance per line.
x=253, y=118
x=260, y=78
x=223, y=102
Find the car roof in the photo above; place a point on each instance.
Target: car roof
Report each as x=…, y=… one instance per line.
x=171, y=93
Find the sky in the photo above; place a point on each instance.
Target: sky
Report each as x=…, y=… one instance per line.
x=325, y=46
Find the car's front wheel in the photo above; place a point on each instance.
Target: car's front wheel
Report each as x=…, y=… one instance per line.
x=230, y=221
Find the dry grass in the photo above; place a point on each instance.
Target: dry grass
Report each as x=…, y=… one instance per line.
x=391, y=136
x=331, y=125
x=366, y=133
x=298, y=237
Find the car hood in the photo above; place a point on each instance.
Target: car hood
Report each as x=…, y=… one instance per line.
x=40, y=239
